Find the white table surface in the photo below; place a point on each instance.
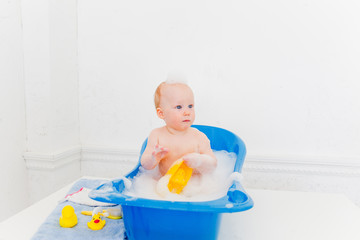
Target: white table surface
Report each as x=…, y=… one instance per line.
x=276, y=215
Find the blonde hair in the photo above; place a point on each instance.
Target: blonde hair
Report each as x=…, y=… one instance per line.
x=157, y=94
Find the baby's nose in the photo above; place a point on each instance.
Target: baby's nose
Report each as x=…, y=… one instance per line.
x=186, y=112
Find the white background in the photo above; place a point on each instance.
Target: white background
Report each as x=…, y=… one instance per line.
x=283, y=75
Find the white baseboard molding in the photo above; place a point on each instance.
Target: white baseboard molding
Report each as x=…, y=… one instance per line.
x=43, y=161
x=107, y=162
x=305, y=165
x=109, y=155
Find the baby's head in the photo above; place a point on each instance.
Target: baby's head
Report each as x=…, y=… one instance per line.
x=174, y=103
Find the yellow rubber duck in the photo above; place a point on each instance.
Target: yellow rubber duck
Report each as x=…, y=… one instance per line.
x=96, y=222
x=68, y=218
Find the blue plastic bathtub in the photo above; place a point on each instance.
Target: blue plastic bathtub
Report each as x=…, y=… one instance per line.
x=147, y=219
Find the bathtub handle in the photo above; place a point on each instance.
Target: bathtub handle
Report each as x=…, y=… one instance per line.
x=236, y=193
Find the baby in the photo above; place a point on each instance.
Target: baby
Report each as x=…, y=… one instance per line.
x=174, y=104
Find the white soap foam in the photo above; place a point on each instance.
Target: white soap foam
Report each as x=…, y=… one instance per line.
x=204, y=187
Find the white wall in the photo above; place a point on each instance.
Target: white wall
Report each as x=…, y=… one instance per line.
x=52, y=100
x=282, y=74
x=39, y=122
x=50, y=52
x=13, y=187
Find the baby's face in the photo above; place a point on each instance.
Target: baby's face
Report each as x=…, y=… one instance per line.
x=177, y=105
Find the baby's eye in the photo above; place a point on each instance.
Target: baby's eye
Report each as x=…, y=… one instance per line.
x=178, y=107
x=191, y=106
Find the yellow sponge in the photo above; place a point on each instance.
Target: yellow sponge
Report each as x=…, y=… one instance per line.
x=180, y=174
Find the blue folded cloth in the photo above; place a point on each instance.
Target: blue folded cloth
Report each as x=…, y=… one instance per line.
x=50, y=229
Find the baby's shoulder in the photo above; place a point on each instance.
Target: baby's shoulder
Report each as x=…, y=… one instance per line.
x=199, y=134
x=157, y=131
x=155, y=135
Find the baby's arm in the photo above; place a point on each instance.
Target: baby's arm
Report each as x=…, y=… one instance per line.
x=205, y=160
x=153, y=152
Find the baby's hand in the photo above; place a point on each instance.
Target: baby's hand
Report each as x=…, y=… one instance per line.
x=201, y=162
x=159, y=153
x=193, y=160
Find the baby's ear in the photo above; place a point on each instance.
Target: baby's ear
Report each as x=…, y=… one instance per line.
x=160, y=113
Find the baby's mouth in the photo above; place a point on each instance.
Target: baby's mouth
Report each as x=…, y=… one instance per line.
x=186, y=121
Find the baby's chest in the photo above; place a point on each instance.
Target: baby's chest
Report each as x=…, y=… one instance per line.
x=181, y=146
